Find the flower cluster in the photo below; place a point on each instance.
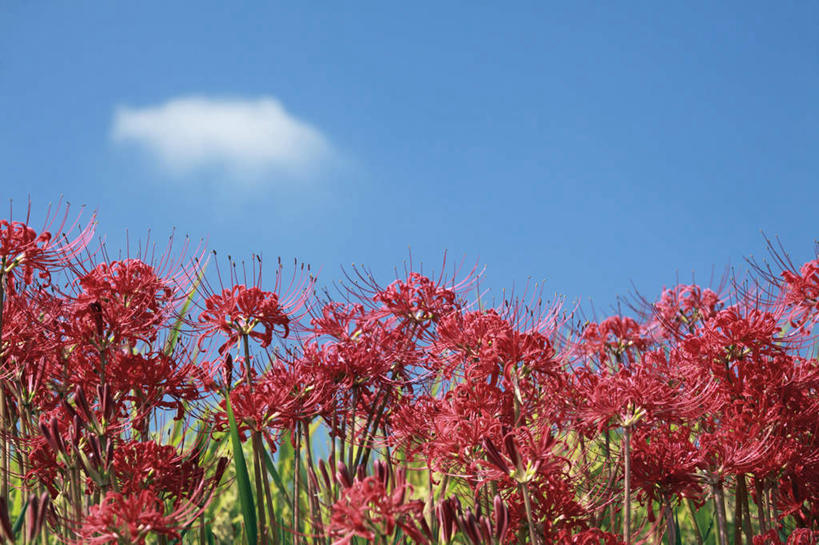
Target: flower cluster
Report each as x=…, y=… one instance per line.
x=128, y=388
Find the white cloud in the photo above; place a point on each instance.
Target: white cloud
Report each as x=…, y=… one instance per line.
x=242, y=136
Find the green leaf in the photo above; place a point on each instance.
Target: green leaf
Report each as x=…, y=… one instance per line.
x=242, y=477
x=276, y=477
x=677, y=532
x=19, y=522
x=398, y=535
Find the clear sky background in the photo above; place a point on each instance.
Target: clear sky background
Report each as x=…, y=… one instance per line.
x=589, y=145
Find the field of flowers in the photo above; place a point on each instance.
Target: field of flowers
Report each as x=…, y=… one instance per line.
x=169, y=396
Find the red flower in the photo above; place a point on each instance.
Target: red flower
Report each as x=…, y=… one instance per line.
x=122, y=302
x=417, y=300
x=239, y=311
x=121, y=518
x=23, y=249
x=147, y=465
x=801, y=294
x=619, y=337
x=664, y=463
x=682, y=308
x=283, y=396
x=803, y=536
x=373, y=507
x=591, y=536
x=771, y=537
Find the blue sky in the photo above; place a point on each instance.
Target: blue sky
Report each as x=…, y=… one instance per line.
x=589, y=145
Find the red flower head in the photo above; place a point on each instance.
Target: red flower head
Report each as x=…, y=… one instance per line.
x=121, y=301
x=240, y=311
x=373, y=507
x=804, y=536
x=250, y=311
x=800, y=294
x=23, y=249
x=618, y=337
x=665, y=461
x=682, y=308
x=130, y=518
x=417, y=299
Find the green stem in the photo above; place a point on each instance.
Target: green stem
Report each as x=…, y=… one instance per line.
x=627, y=485
x=746, y=511
x=670, y=523
x=4, y=445
x=296, y=487
x=737, y=515
x=722, y=522
x=257, y=454
x=693, y=511
x=524, y=489
x=312, y=493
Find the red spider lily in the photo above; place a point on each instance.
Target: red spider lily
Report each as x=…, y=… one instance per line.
x=44, y=467
x=483, y=347
x=279, y=399
x=800, y=536
x=466, y=339
x=339, y=321
x=413, y=297
x=665, y=462
x=803, y=536
x=800, y=293
x=372, y=507
x=375, y=356
x=620, y=338
x=450, y=431
x=121, y=301
x=681, y=309
x=590, y=536
x=625, y=397
x=29, y=321
x=799, y=485
x=243, y=307
x=368, y=377
x=771, y=537
x=417, y=300
x=532, y=466
x=238, y=311
x=534, y=470
x=155, y=380
x=131, y=518
x=23, y=249
x=483, y=340
x=737, y=332
x=162, y=494
x=147, y=465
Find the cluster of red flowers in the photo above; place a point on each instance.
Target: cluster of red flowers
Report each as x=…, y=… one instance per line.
x=88, y=367
x=513, y=423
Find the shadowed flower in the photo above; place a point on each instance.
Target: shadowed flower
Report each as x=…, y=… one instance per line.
x=373, y=507
x=131, y=518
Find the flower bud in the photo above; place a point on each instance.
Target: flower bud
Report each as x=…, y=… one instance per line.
x=343, y=475
x=512, y=450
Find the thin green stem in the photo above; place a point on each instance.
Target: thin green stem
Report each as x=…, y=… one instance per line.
x=722, y=522
x=697, y=532
x=627, y=485
x=527, y=503
x=296, y=487
x=257, y=454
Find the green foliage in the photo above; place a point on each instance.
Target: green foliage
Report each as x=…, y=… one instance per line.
x=242, y=478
